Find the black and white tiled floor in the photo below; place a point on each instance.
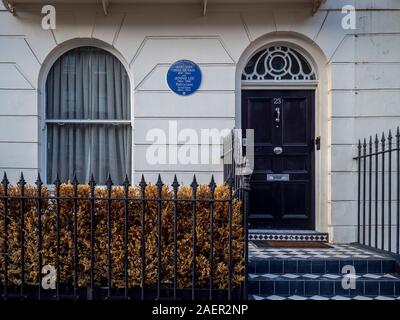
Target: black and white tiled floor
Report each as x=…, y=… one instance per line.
x=327, y=276
x=338, y=251
x=316, y=274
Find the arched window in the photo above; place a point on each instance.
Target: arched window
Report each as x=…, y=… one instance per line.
x=278, y=63
x=88, y=117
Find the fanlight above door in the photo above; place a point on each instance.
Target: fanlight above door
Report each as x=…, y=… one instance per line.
x=278, y=63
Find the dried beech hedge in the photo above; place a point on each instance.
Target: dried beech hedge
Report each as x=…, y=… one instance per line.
x=184, y=236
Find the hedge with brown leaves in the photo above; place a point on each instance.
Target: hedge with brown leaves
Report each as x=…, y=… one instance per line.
x=184, y=236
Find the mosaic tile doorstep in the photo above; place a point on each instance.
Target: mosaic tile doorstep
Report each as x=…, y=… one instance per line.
x=316, y=274
x=339, y=251
x=306, y=277
x=288, y=236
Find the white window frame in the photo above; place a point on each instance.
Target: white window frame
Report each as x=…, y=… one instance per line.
x=43, y=121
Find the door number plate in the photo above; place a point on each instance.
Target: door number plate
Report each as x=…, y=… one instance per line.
x=278, y=177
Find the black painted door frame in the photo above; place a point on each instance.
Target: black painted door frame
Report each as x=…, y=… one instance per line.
x=276, y=115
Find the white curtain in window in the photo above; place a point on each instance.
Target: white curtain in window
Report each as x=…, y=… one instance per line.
x=88, y=84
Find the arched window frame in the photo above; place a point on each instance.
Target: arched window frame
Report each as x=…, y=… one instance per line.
x=44, y=73
x=269, y=76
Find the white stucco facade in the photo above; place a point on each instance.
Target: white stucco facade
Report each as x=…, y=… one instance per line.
x=357, y=94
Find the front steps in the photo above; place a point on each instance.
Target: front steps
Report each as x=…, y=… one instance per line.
x=316, y=274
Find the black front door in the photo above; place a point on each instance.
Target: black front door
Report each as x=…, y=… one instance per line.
x=282, y=184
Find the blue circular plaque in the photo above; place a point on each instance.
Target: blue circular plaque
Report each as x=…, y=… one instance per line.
x=184, y=77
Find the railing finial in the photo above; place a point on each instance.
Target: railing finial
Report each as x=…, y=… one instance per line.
x=126, y=182
x=175, y=184
x=39, y=182
x=75, y=181
x=109, y=182
x=212, y=185
x=398, y=137
x=159, y=182
x=5, y=181
x=22, y=181
x=194, y=184
x=57, y=182
x=142, y=183
x=230, y=181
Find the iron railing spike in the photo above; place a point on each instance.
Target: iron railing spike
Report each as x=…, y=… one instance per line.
x=109, y=182
x=39, y=181
x=175, y=184
x=212, y=184
x=142, y=183
x=22, y=179
x=75, y=181
x=159, y=183
x=126, y=181
x=57, y=182
x=194, y=183
x=5, y=181
x=230, y=181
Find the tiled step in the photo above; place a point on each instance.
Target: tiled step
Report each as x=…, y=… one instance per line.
x=318, y=273
x=321, y=266
x=288, y=235
x=326, y=285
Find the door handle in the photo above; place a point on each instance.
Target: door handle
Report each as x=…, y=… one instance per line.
x=318, y=143
x=277, y=114
x=278, y=150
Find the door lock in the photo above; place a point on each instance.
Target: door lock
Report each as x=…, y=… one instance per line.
x=278, y=150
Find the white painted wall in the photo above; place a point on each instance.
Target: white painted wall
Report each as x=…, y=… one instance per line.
x=363, y=90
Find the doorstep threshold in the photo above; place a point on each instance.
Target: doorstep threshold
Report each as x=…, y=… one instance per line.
x=272, y=231
x=287, y=235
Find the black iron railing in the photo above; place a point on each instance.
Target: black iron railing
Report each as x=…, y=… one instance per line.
x=234, y=165
x=99, y=239
x=229, y=147
x=378, y=206
x=235, y=160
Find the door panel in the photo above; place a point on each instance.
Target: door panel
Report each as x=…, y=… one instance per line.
x=295, y=163
x=294, y=115
x=255, y=108
x=297, y=206
x=283, y=119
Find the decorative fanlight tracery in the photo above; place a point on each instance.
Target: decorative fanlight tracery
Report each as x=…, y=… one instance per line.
x=278, y=63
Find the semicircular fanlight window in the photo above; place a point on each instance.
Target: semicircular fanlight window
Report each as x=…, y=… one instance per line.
x=278, y=63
